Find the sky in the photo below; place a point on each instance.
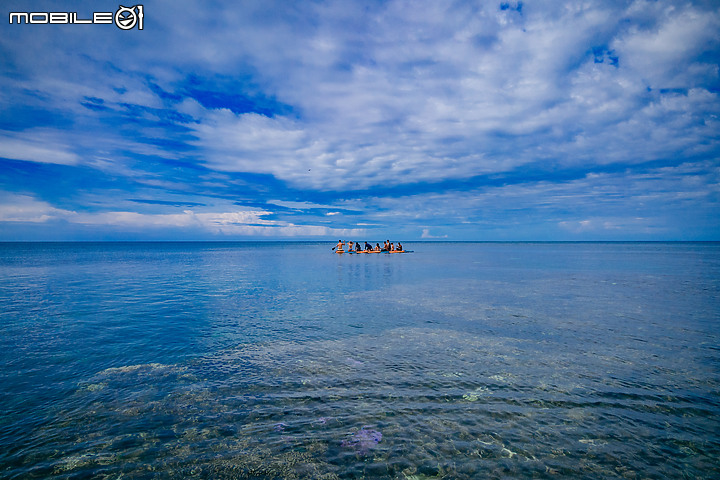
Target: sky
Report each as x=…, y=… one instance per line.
x=362, y=120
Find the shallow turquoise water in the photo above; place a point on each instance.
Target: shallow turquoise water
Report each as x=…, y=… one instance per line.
x=284, y=360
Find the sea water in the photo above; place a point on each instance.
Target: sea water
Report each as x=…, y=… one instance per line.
x=286, y=360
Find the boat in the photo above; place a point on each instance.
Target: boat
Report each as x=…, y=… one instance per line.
x=354, y=252
x=382, y=250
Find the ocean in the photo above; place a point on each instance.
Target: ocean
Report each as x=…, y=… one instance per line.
x=255, y=360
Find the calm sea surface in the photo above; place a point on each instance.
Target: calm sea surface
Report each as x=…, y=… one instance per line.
x=285, y=360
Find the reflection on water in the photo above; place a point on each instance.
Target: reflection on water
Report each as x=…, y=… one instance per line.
x=257, y=362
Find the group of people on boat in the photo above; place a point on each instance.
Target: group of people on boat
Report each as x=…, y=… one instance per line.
x=356, y=247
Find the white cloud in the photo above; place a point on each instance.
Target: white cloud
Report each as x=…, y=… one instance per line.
x=426, y=234
x=252, y=143
x=446, y=93
x=18, y=208
x=37, y=145
x=662, y=55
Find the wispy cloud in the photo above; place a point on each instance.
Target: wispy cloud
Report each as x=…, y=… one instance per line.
x=37, y=145
x=27, y=209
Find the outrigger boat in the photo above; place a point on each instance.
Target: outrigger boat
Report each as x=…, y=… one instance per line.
x=374, y=251
x=382, y=250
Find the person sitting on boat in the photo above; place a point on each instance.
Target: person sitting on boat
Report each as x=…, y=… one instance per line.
x=339, y=246
x=350, y=246
x=368, y=247
x=377, y=247
x=391, y=248
x=399, y=247
x=358, y=249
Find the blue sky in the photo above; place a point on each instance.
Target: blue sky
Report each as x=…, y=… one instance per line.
x=407, y=120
